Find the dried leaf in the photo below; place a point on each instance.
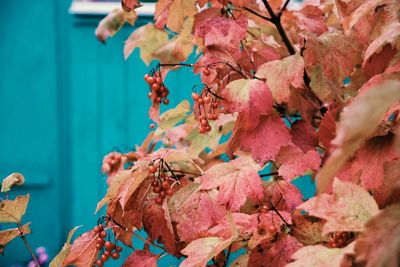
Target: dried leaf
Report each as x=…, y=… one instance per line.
x=347, y=209
x=379, y=244
x=141, y=258
x=358, y=121
x=83, y=251
x=59, y=259
x=113, y=22
x=13, y=210
x=11, y=180
x=8, y=235
x=320, y=256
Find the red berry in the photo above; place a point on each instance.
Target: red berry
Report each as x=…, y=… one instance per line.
x=165, y=185
x=158, y=80
x=152, y=169
x=101, y=227
x=272, y=229
x=103, y=234
x=155, y=86
x=154, y=183
x=107, y=253
x=200, y=101
x=166, y=101
x=215, y=105
x=170, y=192
x=96, y=229
x=109, y=245
x=202, y=130
x=99, y=263
x=204, y=122
x=159, y=100
x=115, y=255
x=159, y=200
x=206, y=71
x=156, y=189
x=195, y=96
x=152, y=126
x=146, y=77
x=151, y=80
x=99, y=246
x=162, y=194
x=100, y=240
x=104, y=258
x=118, y=248
x=208, y=128
x=150, y=94
x=207, y=99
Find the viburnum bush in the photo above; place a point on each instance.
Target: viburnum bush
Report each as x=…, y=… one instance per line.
x=314, y=90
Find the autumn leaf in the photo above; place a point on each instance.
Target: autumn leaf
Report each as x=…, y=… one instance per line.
x=11, y=180
x=358, y=121
x=222, y=34
x=379, y=244
x=195, y=211
x=266, y=221
x=284, y=196
x=236, y=180
x=293, y=162
x=281, y=75
x=304, y=135
x=141, y=258
x=83, y=251
x=347, y=209
x=178, y=11
x=320, y=256
x=157, y=224
x=129, y=184
x=309, y=19
x=112, y=190
x=59, y=259
x=13, y=210
x=173, y=116
x=113, y=22
x=335, y=53
x=308, y=229
x=245, y=225
x=264, y=142
x=148, y=39
x=200, y=251
x=274, y=254
x=8, y=235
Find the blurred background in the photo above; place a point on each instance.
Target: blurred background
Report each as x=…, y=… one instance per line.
x=66, y=100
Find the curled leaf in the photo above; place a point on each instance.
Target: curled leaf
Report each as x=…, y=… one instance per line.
x=11, y=180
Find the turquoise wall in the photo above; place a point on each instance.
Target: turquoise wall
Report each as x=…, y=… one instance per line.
x=66, y=100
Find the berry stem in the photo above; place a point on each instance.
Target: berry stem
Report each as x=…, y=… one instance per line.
x=22, y=235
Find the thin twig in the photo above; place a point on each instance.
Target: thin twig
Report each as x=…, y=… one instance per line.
x=284, y=8
x=268, y=174
x=22, y=235
x=227, y=256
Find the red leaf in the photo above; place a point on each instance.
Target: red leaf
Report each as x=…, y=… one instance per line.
x=141, y=258
x=264, y=142
x=304, y=135
x=293, y=162
x=195, y=211
x=158, y=227
x=283, y=196
x=83, y=251
x=222, y=34
x=276, y=254
x=236, y=181
x=244, y=223
x=129, y=5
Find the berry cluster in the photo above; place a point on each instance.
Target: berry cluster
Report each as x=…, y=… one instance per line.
x=207, y=107
x=339, y=239
x=158, y=92
x=163, y=180
x=107, y=248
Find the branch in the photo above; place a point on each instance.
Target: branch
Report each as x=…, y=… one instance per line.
x=22, y=235
x=284, y=7
x=268, y=174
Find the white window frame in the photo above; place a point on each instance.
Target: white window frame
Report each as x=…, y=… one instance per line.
x=103, y=8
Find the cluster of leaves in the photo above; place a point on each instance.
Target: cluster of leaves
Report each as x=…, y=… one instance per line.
x=314, y=90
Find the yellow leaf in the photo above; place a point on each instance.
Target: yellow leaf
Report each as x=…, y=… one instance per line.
x=13, y=210
x=8, y=235
x=171, y=117
x=59, y=259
